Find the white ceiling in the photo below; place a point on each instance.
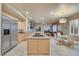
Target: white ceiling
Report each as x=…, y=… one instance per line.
x=50, y=12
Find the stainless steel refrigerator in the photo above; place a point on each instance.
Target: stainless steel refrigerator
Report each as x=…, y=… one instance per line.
x=9, y=34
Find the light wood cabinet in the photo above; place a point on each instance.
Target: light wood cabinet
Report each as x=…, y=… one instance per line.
x=43, y=47
x=38, y=47
x=32, y=47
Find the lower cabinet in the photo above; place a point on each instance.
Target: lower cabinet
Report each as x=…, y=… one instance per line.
x=43, y=48
x=38, y=47
x=32, y=47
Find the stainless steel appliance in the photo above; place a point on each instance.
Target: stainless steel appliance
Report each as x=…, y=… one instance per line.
x=9, y=34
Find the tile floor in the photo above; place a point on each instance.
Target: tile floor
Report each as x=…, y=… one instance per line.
x=59, y=50
x=19, y=50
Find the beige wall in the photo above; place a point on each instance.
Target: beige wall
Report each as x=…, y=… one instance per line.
x=21, y=25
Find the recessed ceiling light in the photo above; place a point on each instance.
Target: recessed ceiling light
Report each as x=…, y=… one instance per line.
x=27, y=12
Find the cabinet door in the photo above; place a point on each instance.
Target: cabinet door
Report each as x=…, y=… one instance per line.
x=32, y=47
x=5, y=40
x=43, y=47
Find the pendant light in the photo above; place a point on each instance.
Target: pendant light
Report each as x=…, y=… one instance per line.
x=62, y=20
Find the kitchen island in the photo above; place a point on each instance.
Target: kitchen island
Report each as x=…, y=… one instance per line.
x=38, y=45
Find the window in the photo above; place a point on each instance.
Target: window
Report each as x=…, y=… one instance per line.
x=74, y=27
x=71, y=27
x=54, y=28
x=59, y=27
